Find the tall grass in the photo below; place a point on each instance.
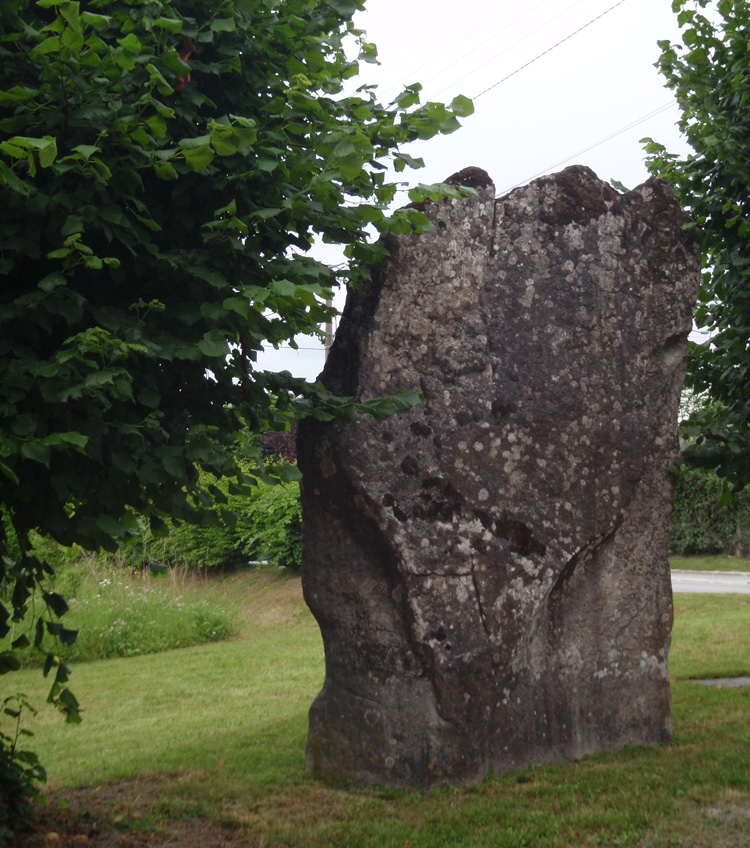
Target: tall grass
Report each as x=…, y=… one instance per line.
x=119, y=612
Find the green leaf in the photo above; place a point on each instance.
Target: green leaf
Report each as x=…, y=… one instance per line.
x=192, y=143
x=49, y=45
x=290, y=473
x=158, y=527
x=172, y=62
x=9, y=473
x=346, y=8
x=25, y=424
x=157, y=79
x=8, y=662
x=213, y=344
x=229, y=209
x=222, y=25
x=619, y=186
x=462, y=106
x=157, y=125
x=165, y=171
x=284, y=288
x=174, y=467
x=173, y=25
x=131, y=43
x=228, y=140
x=70, y=706
x=110, y=525
x=87, y=150
x=56, y=602
x=78, y=440
x=37, y=451
x=17, y=94
x=72, y=39
x=98, y=22
x=240, y=305
x=199, y=158
x=46, y=147
x=264, y=214
x=266, y=164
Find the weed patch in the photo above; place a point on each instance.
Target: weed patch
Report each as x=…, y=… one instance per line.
x=119, y=613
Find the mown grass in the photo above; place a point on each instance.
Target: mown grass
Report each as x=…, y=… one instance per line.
x=217, y=733
x=711, y=636
x=719, y=562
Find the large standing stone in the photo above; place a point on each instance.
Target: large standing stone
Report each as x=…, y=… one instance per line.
x=489, y=571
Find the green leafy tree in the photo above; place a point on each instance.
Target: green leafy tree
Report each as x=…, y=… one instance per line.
x=710, y=76
x=165, y=166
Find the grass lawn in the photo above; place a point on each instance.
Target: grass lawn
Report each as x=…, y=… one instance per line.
x=205, y=746
x=720, y=562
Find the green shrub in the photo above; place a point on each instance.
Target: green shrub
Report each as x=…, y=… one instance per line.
x=270, y=527
x=703, y=525
x=198, y=546
x=265, y=525
x=20, y=770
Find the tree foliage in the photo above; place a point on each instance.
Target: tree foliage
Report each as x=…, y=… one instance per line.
x=165, y=166
x=710, y=76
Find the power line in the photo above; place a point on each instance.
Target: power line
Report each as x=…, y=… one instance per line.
x=549, y=50
x=629, y=126
x=404, y=78
x=505, y=49
x=481, y=44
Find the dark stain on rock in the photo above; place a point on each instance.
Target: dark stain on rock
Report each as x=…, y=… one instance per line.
x=472, y=177
x=441, y=499
x=502, y=409
x=410, y=465
x=390, y=502
x=419, y=428
x=575, y=195
x=521, y=538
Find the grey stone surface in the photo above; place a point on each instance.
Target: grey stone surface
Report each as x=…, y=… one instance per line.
x=489, y=570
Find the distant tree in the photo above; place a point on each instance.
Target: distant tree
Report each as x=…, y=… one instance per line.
x=710, y=76
x=165, y=167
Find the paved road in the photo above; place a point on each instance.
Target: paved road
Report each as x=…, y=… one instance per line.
x=711, y=581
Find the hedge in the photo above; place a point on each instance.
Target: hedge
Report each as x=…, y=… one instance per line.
x=700, y=524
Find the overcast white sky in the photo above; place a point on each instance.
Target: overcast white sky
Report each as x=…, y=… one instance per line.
x=599, y=83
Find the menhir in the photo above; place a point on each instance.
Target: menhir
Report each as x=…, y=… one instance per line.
x=489, y=570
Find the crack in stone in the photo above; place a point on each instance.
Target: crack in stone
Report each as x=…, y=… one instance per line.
x=632, y=618
x=480, y=606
